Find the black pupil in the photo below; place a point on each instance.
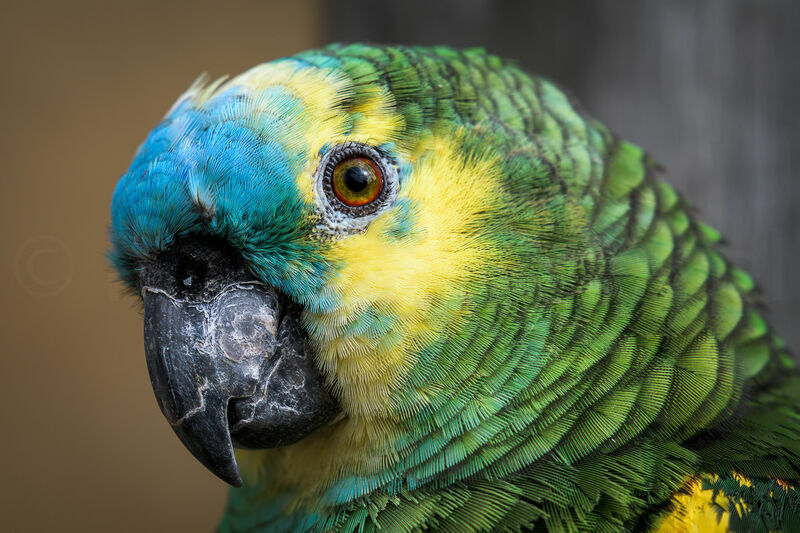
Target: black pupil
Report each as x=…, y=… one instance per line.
x=356, y=178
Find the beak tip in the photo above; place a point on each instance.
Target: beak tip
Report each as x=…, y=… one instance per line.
x=231, y=476
x=207, y=438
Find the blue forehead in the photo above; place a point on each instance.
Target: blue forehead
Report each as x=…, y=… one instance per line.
x=228, y=169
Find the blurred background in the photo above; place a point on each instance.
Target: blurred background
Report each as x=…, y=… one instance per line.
x=708, y=87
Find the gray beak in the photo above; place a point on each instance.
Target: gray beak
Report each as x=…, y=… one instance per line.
x=228, y=360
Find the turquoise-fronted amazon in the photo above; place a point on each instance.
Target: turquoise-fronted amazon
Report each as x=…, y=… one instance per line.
x=418, y=289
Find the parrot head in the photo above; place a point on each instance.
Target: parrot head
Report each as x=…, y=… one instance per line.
x=341, y=268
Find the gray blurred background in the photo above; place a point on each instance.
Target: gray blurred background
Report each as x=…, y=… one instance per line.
x=708, y=87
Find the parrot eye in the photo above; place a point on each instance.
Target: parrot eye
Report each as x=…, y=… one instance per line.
x=355, y=180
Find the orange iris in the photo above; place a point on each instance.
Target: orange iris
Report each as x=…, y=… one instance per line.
x=357, y=181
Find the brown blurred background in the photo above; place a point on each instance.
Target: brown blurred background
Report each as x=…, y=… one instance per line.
x=708, y=87
x=84, y=446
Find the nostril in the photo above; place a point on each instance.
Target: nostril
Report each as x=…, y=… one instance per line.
x=191, y=273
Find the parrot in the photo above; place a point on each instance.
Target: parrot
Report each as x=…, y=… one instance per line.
x=403, y=288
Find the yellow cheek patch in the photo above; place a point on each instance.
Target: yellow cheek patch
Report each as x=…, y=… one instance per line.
x=413, y=281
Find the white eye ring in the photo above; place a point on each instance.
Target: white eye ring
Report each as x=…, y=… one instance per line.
x=337, y=217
